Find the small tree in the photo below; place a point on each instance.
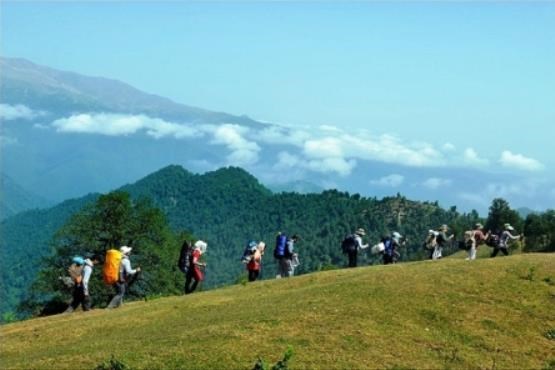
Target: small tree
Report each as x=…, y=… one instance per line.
x=114, y=220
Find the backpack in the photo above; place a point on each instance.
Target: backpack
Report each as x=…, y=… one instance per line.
x=468, y=240
x=280, y=250
x=75, y=272
x=494, y=240
x=248, y=252
x=388, y=246
x=431, y=242
x=184, y=261
x=110, y=270
x=349, y=244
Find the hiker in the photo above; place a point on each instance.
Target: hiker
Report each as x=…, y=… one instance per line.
x=126, y=273
x=478, y=237
x=75, y=282
x=286, y=256
x=441, y=241
x=391, y=246
x=254, y=264
x=504, y=239
x=194, y=273
x=430, y=244
x=352, y=244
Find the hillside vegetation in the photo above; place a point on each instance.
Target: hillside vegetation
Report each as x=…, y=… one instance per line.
x=489, y=313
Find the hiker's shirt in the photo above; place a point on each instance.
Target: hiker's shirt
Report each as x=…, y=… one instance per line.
x=87, y=272
x=479, y=237
x=125, y=270
x=504, y=239
x=358, y=241
x=254, y=263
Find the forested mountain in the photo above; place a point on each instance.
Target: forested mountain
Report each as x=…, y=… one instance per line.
x=229, y=207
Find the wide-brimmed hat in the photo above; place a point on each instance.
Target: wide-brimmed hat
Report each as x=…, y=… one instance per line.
x=443, y=227
x=360, y=231
x=396, y=235
x=509, y=227
x=125, y=249
x=479, y=226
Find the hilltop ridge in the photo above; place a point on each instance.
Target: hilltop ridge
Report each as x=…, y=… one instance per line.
x=491, y=313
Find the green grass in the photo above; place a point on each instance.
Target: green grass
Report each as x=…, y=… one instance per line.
x=431, y=314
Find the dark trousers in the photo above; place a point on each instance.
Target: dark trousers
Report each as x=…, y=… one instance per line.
x=496, y=250
x=253, y=274
x=79, y=298
x=387, y=259
x=190, y=282
x=352, y=258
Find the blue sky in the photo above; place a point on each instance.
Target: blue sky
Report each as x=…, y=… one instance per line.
x=473, y=78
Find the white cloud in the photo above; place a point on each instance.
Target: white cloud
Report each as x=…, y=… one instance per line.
x=243, y=152
x=7, y=140
x=341, y=166
x=434, y=183
x=392, y=180
x=11, y=112
x=448, y=147
x=121, y=125
x=472, y=158
x=324, y=148
x=337, y=165
x=520, y=162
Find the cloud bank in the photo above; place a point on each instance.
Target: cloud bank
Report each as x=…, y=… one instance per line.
x=12, y=112
x=519, y=162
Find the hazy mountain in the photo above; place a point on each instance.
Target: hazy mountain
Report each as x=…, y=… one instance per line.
x=15, y=199
x=54, y=91
x=97, y=155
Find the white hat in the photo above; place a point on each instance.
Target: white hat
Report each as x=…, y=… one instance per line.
x=510, y=228
x=125, y=249
x=360, y=232
x=199, y=244
x=396, y=235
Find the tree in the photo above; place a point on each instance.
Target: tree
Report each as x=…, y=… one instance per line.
x=112, y=221
x=501, y=213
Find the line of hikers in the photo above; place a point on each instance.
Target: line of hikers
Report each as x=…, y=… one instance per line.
x=117, y=270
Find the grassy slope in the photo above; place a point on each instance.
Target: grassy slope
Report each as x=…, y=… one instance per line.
x=489, y=313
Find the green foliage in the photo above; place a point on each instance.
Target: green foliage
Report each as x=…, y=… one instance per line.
x=501, y=213
x=282, y=364
x=226, y=208
x=540, y=232
x=550, y=334
x=112, y=364
x=113, y=220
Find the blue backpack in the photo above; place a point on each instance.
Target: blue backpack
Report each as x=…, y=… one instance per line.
x=280, y=250
x=249, y=251
x=388, y=244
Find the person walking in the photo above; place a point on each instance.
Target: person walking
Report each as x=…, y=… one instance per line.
x=504, y=239
x=195, y=274
x=286, y=265
x=352, y=244
x=75, y=281
x=126, y=273
x=391, y=251
x=442, y=241
x=255, y=263
x=430, y=244
x=478, y=237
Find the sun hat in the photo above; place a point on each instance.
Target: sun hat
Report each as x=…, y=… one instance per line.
x=479, y=226
x=125, y=249
x=360, y=231
x=510, y=228
x=396, y=235
x=78, y=260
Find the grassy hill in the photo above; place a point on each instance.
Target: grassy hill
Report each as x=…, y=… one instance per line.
x=489, y=313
